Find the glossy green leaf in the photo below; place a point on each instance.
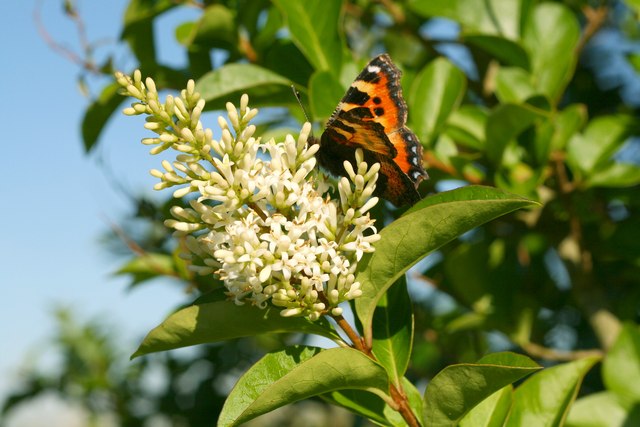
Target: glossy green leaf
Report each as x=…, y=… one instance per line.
x=324, y=91
x=313, y=25
x=231, y=81
x=138, y=29
x=432, y=8
x=545, y=398
x=513, y=85
x=621, y=367
x=365, y=404
x=98, y=114
x=615, y=174
x=297, y=373
x=393, y=330
x=506, y=51
x=214, y=319
x=600, y=140
x=551, y=37
x=567, y=123
x=600, y=410
x=505, y=123
x=492, y=17
x=435, y=93
x=373, y=407
x=215, y=28
x=491, y=412
x=473, y=281
x=429, y=224
x=459, y=388
x=466, y=125
x=148, y=266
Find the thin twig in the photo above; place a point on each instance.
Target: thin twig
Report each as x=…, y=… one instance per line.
x=596, y=18
x=541, y=352
x=62, y=50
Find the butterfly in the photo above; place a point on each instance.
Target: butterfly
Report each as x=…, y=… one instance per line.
x=372, y=116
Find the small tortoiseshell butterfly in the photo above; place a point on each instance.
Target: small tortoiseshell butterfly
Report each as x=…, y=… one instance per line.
x=372, y=116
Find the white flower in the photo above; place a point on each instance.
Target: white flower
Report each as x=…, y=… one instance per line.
x=261, y=219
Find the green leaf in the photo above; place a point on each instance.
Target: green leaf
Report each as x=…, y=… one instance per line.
x=324, y=90
x=313, y=25
x=567, y=123
x=602, y=137
x=492, y=17
x=466, y=125
x=621, y=367
x=505, y=123
x=506, y=51
x=634, y=58
x=393, y=330
x=148, y=266
x=615, y=174
x=431, y=8
x=365, y=404
x=214, y=319
x=138, y=29
x=297, y=373
x=513, y=85
x=545, y=398
x=231, y=81
x=429, y=224
x=215, y=28
x=98, y=114
x=634, y=4
x=459, y=388
x=491, y=412
x=373, y=407
x=435, y=93
x=551, y=37
x=601, y=409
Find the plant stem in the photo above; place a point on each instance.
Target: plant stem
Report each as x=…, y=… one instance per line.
x=397, y=394
x=541, y=352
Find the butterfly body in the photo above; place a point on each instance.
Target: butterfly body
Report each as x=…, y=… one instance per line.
x=372, y=116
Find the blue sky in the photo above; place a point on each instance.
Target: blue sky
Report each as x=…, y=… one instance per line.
x=56, y=200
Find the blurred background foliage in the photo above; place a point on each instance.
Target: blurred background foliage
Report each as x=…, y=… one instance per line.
x=537, y=98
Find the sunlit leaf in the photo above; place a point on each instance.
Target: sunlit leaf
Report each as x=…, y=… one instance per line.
x=551, y=37
x=314, y=29
x=435, y=93
x=324, y=92
x=599, y=410
x=297, y=373
x=466, y=125
x=550, y=392
x=393, y=331
x=513, y=85
x=623, y=363
x=231, y=81
x=428, y=225
x=459, y=388
x=491, y=412
x=214, y=319
x=602, y=137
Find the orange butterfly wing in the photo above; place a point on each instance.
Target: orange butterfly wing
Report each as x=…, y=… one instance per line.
x=372, y=116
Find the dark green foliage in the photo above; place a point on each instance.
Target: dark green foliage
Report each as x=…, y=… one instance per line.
x=522, y=114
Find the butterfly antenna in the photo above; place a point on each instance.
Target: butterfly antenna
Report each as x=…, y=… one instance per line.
x=296, y=93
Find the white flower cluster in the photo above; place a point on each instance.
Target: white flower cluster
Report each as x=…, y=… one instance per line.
x=261, y=219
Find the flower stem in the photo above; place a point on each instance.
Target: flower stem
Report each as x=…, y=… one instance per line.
x=397, y=394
